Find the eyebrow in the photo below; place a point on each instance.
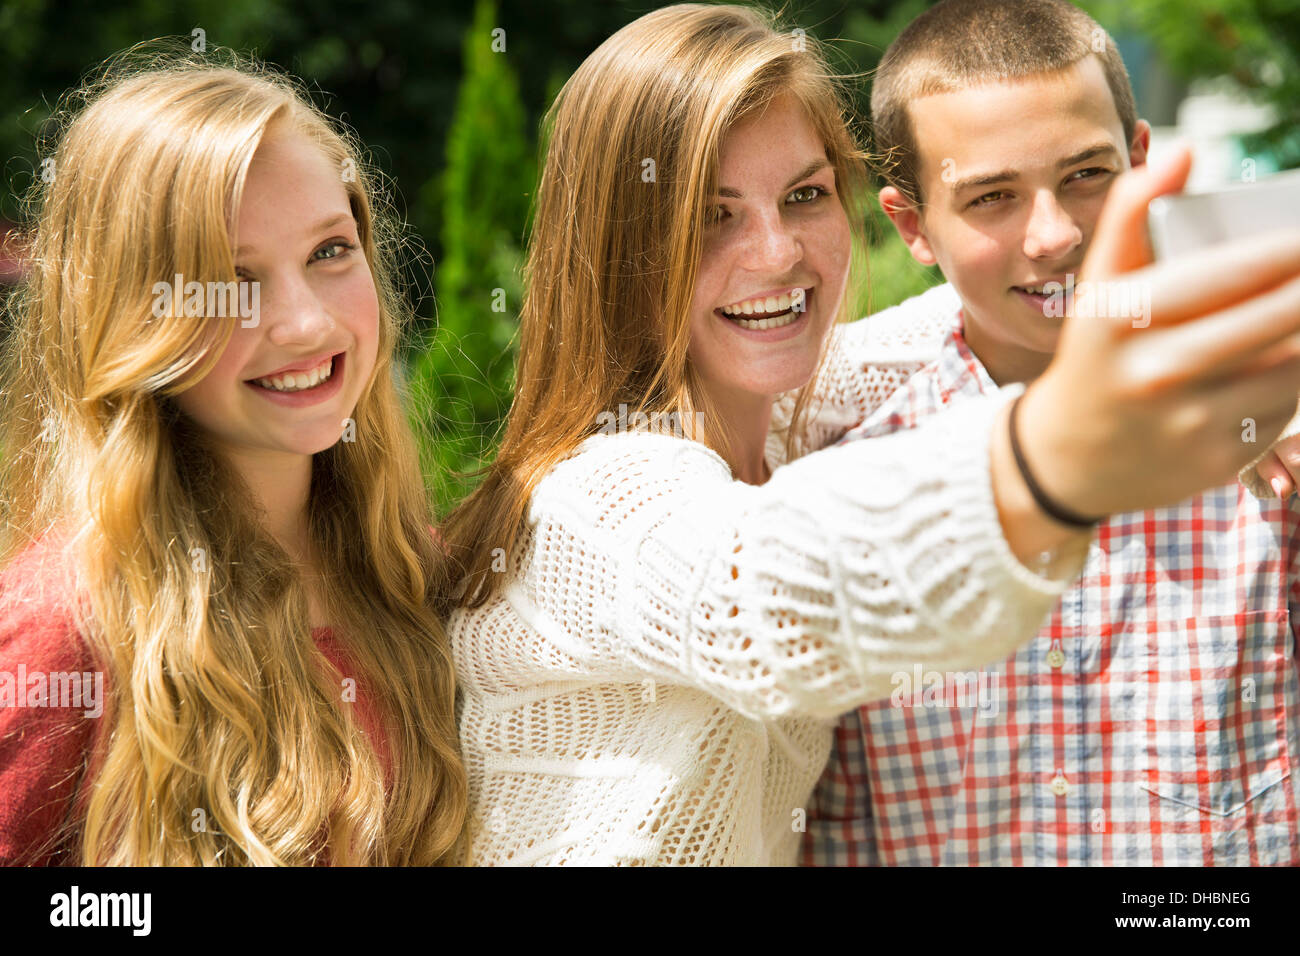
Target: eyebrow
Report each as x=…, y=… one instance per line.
x=815, y=166
x=1008, y=175
x=319, y=227
x=1088, y=153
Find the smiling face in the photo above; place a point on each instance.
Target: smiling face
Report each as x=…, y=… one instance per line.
x=777, y=233
x=318, y=318
x=1013, y=176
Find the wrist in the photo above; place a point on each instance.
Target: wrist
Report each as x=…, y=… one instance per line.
x=1036, y=539
x=1048, y=504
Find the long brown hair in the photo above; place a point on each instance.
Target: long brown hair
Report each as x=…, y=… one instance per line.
x=631, y=157
x=219, y=701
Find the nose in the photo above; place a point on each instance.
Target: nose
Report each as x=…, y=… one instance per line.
x=294, y=313
x=770, y=244
x=1051, y=232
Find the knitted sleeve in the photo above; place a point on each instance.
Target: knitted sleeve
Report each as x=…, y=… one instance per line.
x=645, y=561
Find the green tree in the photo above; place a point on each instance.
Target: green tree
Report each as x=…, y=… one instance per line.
x=892, y=275
x=462, y=378
x=1256, y=42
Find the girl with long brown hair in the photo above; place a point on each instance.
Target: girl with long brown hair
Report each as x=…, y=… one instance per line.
x=216, y=548
x=652, y=630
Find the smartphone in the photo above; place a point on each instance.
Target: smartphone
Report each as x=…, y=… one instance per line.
x=1189, y=221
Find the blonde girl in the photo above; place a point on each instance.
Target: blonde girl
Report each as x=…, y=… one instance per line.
x=216, y=515
x=652, y=630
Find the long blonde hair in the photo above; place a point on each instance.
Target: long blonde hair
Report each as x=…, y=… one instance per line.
x=219, y=701
x=631, y=157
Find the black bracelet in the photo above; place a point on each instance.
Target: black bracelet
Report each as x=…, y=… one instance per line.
x=1053, y=510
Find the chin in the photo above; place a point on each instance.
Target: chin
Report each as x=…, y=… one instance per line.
x=311, y=444
x=320, y=447
x=783, y=381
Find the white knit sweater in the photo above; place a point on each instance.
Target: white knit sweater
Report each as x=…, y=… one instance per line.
x=657, y=681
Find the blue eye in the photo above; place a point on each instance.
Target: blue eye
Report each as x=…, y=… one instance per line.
x=338, y=244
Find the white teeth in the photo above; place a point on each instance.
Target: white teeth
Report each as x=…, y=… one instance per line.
x=775, y=322
x=767, y=304
x=297, y=381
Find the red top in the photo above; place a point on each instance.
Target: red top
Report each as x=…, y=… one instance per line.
x=44, y=750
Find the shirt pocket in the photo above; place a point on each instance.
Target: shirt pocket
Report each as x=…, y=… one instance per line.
x=1218, y=692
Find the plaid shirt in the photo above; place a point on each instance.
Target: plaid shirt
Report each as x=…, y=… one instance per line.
x=1150, y=722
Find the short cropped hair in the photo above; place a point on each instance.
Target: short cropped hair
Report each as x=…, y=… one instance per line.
x=960, y=43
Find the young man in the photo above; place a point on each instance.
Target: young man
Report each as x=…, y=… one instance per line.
x=1154, y=718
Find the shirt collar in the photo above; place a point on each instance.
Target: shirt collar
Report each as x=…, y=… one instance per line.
x=958, y=370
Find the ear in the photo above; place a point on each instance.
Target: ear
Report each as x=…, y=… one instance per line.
x=907, y=220
x=1137, y=151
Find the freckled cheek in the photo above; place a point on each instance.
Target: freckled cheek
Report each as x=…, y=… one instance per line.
x=362, y=295
x=702, y=333
x=357, y=310
x=707, y=292
x=834, y=249
x=226, y=374
x=209, y=401
x=845, y=254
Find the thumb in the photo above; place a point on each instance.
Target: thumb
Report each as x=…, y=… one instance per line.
x=1120, y=243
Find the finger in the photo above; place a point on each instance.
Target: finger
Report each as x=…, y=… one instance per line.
x=1286, y=484
x=1251, y=336
x=1211, y=279
x=1275, y=475
x=1288, y=453
x=1120, y=243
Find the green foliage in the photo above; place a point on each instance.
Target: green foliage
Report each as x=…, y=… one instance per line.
x=462, y=379
x=48, y=46
x=892, y=275
x=1256, y=42
x=393, y=70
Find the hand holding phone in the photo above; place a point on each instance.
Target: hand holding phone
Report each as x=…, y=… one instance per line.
x=1130, y=416
x=1182, y=223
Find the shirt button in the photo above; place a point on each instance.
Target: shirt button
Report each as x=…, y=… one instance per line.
x=1056, y=657
x=1060, y=786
